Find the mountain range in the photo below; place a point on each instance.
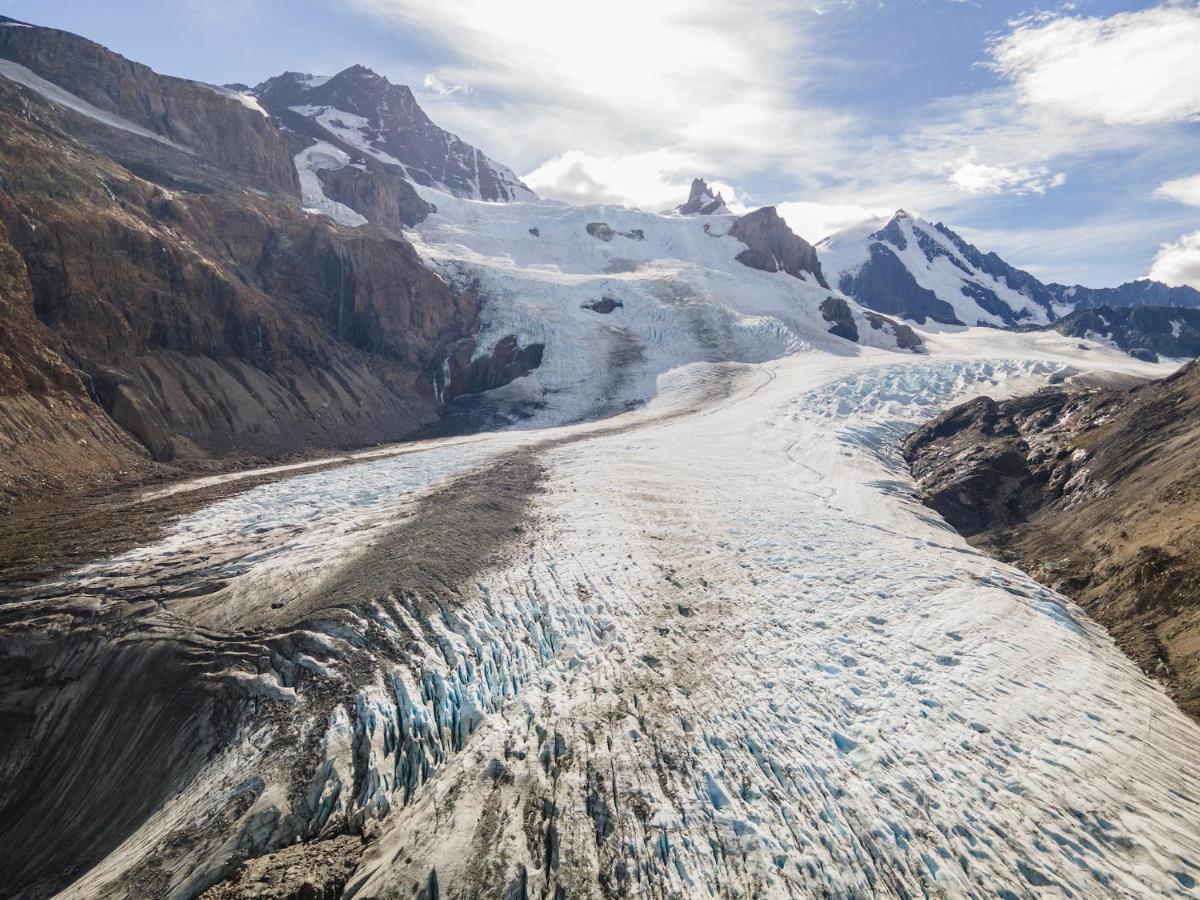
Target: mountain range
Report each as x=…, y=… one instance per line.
x=924, y=271
x=199, y=271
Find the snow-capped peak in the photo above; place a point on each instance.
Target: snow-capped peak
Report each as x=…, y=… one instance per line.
x=920, y=270
x=361, y=108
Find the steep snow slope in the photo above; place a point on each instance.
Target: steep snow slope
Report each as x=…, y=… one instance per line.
x=543, y=268
x=910, y=267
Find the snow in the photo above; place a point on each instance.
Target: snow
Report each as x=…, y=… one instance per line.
x=357, y=131
x=353, y=129
x=847, y=250
x=247, y=99
x=323, y=155
x=1176, y=327
x=52, y=92
x=685, y=297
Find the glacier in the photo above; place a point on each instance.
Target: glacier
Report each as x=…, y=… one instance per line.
x=713, y=647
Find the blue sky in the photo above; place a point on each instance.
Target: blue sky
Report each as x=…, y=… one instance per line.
x=1063, y=135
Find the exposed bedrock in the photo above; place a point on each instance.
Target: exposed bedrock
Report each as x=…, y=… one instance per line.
x=1096, y=494
x=507, y=361
x=1146, y=332
x=144, y=322
x=885, y=284
x=238, y=140
x=836, y=311
x=774, y=247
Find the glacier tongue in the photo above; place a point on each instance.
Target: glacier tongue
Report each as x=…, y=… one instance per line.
x=710, y=645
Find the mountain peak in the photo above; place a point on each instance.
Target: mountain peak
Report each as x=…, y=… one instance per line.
x=361, y=111
x=702, y=201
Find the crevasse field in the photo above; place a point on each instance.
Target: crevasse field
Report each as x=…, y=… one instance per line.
x=734, y=656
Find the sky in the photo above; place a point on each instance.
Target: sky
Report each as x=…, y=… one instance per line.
x=1064, y=136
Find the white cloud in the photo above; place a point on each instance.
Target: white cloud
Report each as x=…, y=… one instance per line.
x=655, y=180
x=1178, y=262
x=981, y=178
x=432, y=82
x=700, y=77
x=814, y=221
x=1182, y=190
x=1133, y=68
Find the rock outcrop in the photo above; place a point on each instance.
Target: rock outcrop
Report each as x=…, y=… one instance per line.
x=507, y=361
x=905, y=337
x=702, y=201
x=605, y=232
x=604, y=305
x=773, y=247
x=1096, y=493
x=836, y=311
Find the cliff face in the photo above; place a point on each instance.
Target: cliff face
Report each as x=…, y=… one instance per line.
x=1096, y=494
x=240, y=140
x=773, y=247
x=155, y=306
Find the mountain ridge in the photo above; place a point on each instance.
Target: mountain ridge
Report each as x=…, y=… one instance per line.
x=918, y=269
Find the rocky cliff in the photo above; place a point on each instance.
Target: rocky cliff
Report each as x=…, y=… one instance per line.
x=1142, y=292
x=236, y=139
x=1096, y=493
x=702, y=201
x=165, y=295
x=773, y=247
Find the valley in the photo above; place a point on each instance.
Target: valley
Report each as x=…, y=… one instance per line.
x=371, y=526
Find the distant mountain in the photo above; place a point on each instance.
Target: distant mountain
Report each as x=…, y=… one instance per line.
x=362, y=109
x=922, y=271
x=1146, y=332
x=702, y=201
x=909, y=267
x=1142, y=292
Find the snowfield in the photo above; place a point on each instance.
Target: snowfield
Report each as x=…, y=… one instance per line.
x=730, y=654
x=684, y=298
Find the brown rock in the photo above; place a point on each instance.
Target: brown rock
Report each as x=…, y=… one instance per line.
x=774, y=247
